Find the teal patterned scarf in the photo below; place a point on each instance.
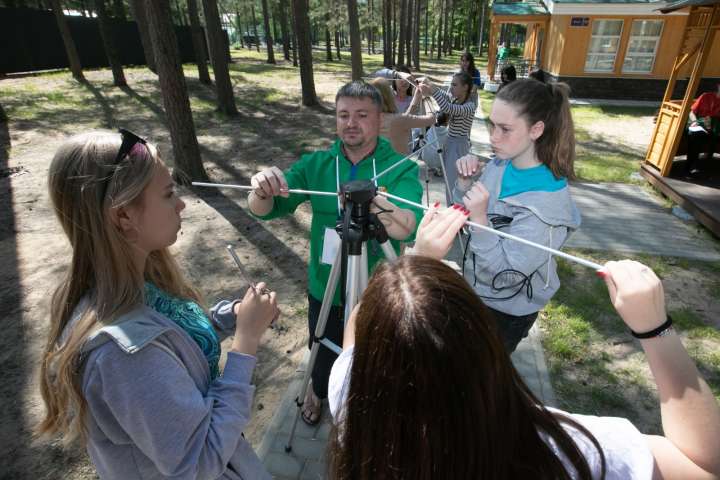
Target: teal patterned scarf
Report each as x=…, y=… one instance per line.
x=190, y=317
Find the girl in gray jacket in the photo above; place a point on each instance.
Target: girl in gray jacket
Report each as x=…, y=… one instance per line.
x=131, y=364
x=523, y=191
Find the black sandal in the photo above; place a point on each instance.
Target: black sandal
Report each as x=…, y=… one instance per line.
x=308, y=418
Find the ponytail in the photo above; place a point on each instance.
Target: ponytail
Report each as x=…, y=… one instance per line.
x=548, y=103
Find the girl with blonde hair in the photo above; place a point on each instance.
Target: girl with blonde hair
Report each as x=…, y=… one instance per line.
x=131, y=364
x=397, y=127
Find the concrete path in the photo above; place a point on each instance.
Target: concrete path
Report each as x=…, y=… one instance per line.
x=626, y=218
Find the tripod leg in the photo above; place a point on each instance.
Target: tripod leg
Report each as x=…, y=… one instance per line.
x=319, y=333
x=363, y=268
x=388, y=250
x=449, y=192
x=353, y=290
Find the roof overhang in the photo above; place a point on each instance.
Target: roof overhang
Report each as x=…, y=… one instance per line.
x=672, y=7
x=609, y=8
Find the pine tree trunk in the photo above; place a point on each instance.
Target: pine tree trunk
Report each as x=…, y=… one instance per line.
x=304, y=47
x=337, y=33
x=294, y=35
x=441, y=4
x=355, y=41
x=451, y=31
x=328, y=46
x=188, y=163
x=108, y=40
x=198, y=44
x=218, y=57
x=284, y=29
x=409, y=30
x=427, y=25
x=387, y=28
x=238, y=26
x=401, y=39
x=255, y=32
x=448, y=27
x=68, y=42
x=137, y=9
x=268, y=36
x=468, y=27
x=416, y=36
x=482, y=27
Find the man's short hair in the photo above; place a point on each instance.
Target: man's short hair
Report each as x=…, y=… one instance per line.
x=359, y=89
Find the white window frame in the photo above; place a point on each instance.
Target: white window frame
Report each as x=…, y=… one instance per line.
x=644, y=54
x=614, y=55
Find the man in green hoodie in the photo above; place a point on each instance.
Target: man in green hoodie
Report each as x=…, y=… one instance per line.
x=358, y=154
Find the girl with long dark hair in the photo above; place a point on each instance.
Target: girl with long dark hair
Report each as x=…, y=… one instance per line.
x=425, y=390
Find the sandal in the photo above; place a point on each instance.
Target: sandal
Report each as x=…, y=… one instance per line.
x=312, y=408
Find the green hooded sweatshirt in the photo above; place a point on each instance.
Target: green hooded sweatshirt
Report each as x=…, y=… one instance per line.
x=317, y=171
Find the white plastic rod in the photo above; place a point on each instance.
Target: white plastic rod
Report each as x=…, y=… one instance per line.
x=248, y=187
x=396, y=164
x=558, y=253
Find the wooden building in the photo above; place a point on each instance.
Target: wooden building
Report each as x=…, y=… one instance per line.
x=603, y=49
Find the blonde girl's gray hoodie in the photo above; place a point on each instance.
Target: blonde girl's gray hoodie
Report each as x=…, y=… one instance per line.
x=154, y=412
x=509, y=276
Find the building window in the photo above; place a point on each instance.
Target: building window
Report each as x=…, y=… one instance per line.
x=644, y=40
x=603, y=45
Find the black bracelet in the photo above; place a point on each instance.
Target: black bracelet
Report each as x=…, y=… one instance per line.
x=656, y=332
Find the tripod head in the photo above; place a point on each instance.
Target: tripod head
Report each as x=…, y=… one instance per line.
x=358, y=224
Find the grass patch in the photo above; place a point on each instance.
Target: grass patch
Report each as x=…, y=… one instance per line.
x=595, y=365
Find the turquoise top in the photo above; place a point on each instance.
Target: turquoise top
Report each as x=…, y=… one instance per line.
x=189, y=316
x=535, y=179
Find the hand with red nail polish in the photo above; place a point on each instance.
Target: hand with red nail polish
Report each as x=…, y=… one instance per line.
x=437, y=231
x=476, y=201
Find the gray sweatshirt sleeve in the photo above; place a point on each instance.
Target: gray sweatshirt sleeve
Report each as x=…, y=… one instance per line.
x=494, y=254
x=150, y=397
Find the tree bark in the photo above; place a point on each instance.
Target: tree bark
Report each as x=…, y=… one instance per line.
x=304, y=48
x=198, y=44
x=68, y=42
x=482, y=28
x=108, y=40
x=328, y=46
x=448, y=26
x=137, y=9
x=188, y=163
x=3, y=115
x=218, y=56
x=355, y=42
x=468, y=26
x=293, y=36
x=284, y=29
x=416, y=36
x=257, y=37
x=441, y=4
x=409, y=30
x=387, y=27
x=401, y=40
x=268, y=36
